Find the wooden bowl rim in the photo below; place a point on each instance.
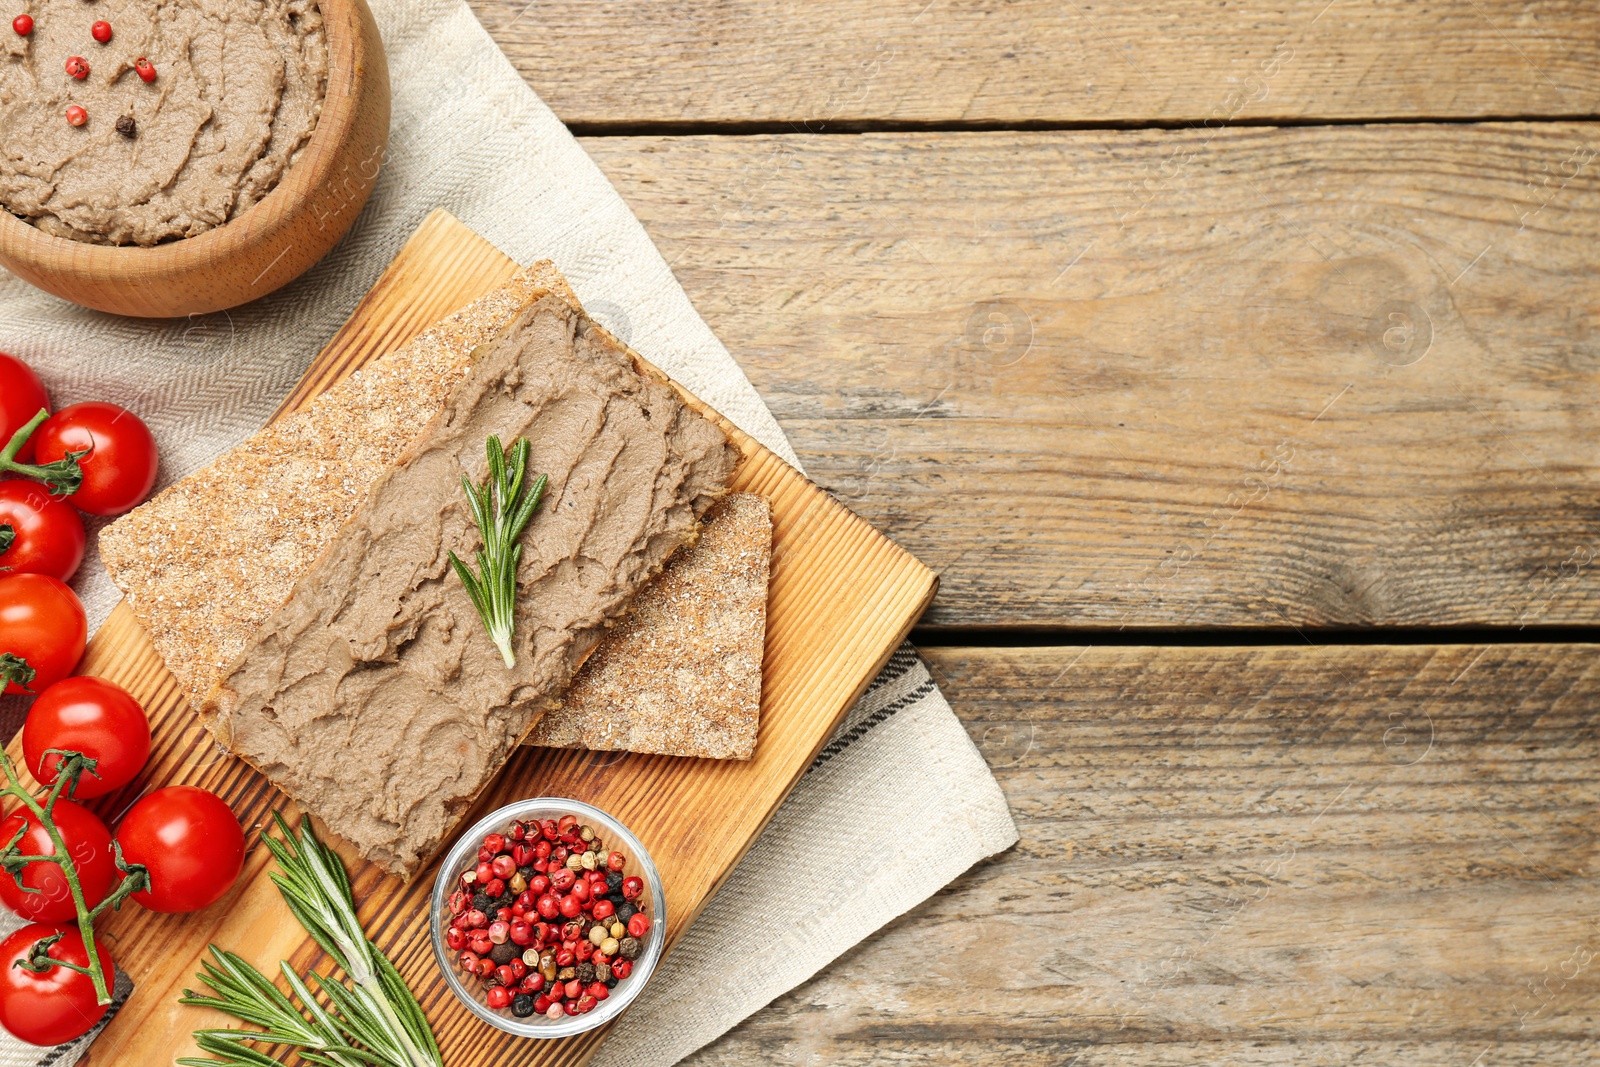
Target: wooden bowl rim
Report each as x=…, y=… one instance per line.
x=342, y=21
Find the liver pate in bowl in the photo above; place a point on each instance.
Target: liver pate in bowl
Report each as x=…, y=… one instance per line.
x=183, y=156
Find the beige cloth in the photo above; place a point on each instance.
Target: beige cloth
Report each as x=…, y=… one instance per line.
x=470, y=136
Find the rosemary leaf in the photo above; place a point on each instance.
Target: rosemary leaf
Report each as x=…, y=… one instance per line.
x=374, y=1021
x=502, y=512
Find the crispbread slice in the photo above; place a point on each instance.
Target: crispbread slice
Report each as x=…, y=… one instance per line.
x=681, y=673
x=205, y=562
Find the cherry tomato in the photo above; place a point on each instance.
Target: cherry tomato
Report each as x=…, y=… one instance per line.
x=42, y=632
x=190, y=841
x=92, y=716
x=54, y=1007
x=88, y=843
x=21, y=397
x=121, y=463
x=46, y=533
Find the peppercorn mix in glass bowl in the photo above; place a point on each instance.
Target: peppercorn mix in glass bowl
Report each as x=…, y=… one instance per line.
x=548, y=918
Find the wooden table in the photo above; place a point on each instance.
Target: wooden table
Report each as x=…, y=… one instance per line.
x=1236, y=365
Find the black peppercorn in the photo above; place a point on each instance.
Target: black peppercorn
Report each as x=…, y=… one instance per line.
x=484, y=903
x=522, y=1007
x=629, y=948
x=127, y=127
x=585, y=973
x=507, y=899
x=527, y=873
x=504, y=953
x=614, y=881
x=625, y=911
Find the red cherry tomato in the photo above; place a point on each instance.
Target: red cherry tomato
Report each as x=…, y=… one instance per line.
x=190, y=841
x=92, y=716
x=46, y=534
x=54, y=1007
x=42, y=632
x=120, y=466
x=88, y=843
x=21, y=397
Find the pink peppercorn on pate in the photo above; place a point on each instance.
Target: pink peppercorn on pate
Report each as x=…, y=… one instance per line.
x=548, y=919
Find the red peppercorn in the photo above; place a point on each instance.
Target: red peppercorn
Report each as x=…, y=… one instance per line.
x=519, y=969
x=548, y=907
x=521, y=933
x=541, y=931
x=585, y=1005
x=458, y=902
x=499, y=931
x=23, y=24
x=503, y=867
x=503, y=914
x=498, y=997
x=563, y=880
x=468, y=961
x=144, y=69
x=570, y=1007
x=616, y=862
x=639, y=925
x=621, y=968
x=505, y=974
x=522, y=854
x=574, y=989
x=565, y=958
x=494, y=843
x=538, y=884
x=456, y=939
x=541, y=1005
x=583, y=950
x=571, y=906
x=541, y=865
x=541, y=850
x=495, y=887
x=483, y=873
x=481, y=944
x=101, y=31
x=533, y=983
x=476, y=919
x=485, y=967
x=547, y=829
x=581, y=891
x=566, y=823
x=632, y=888
x=78, y=67
x=598, y=990
x=603, y=909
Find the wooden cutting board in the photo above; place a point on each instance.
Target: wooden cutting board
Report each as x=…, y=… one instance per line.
x=842, y=598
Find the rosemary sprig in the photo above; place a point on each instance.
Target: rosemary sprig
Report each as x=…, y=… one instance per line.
x=502, y=512
x=61, y=477
x=374, y=1022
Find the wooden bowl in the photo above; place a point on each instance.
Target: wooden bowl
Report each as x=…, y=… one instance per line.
x=268, y=246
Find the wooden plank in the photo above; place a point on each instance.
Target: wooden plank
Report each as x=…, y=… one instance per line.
x=620, y=64
x=1248, y=856
x=842, y=598
x=1312, y=376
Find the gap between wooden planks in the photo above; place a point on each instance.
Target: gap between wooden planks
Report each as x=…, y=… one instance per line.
x=842, y=598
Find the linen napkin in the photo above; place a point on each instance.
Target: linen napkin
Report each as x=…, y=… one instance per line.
x=469, y=135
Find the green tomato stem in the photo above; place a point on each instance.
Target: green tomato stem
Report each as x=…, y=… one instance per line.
x=66, y=770
x=62, y=477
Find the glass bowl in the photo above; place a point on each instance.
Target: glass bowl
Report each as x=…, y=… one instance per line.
x=618, y=839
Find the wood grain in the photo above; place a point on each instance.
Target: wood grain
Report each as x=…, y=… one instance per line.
x=823, y=66
x=1286, y=855
x=842, y=598
x=266, y=247
x=1332, y=376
